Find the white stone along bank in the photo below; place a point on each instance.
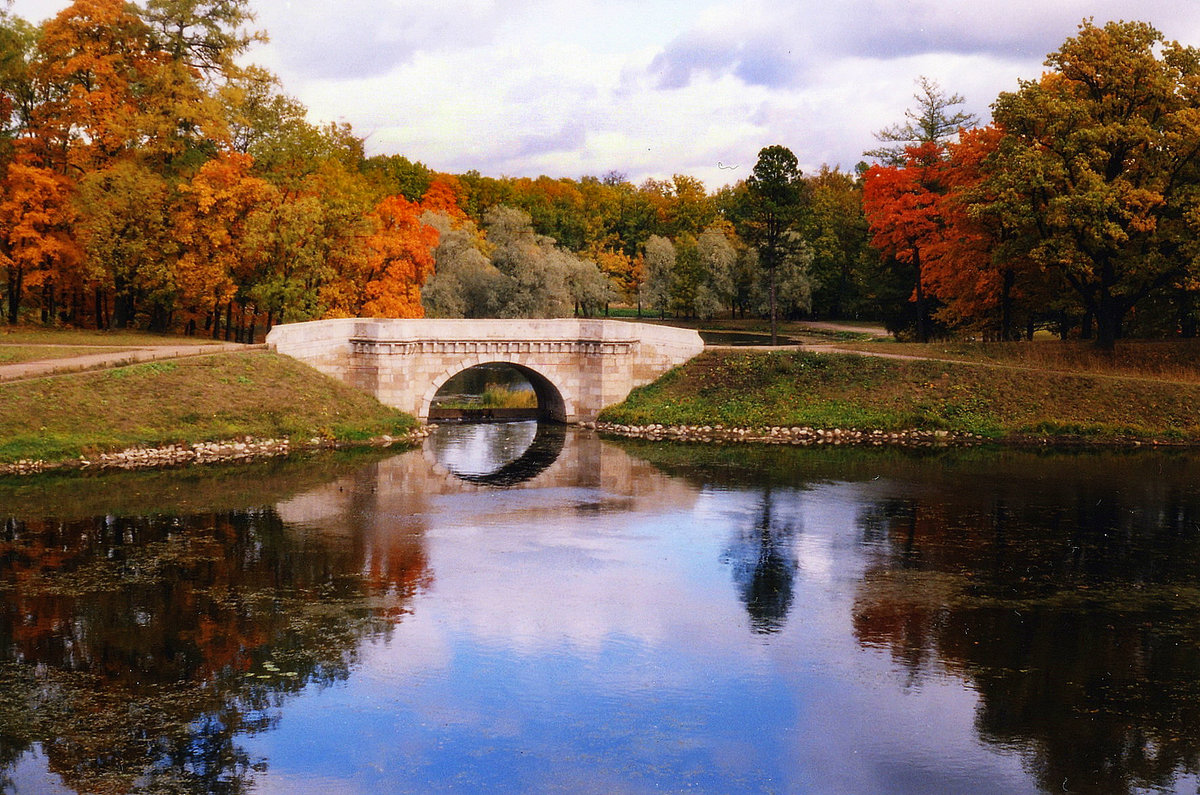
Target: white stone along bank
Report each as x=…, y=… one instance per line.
x=576, y=366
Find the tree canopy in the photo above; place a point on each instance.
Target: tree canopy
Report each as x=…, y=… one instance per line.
x=150, y=177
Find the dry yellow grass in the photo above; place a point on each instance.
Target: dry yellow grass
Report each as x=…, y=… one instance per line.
x=1165, y=360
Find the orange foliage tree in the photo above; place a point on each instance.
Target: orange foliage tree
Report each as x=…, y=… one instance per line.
x=94, y=58
x=445, y=196
x=36, y=244
x=210, y=228
x=969, y=267
x=626, y=273
x=400, y=260
x=903, y=208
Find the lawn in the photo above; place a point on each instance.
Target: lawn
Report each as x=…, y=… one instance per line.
x=819, y=390
x=224, y=396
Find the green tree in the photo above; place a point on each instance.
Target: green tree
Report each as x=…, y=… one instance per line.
x=660, y=274
x=18, y=95
x=464, y=281
x=397, y=174
x=836, y=229
x=933, y=121
x=718, y=258
x=776, y=197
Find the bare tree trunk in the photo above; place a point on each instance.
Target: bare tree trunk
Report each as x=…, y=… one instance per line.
x=922, y=309
x=16, y=279
x=774, y=311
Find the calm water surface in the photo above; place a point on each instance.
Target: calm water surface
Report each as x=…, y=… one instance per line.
x=523, y=608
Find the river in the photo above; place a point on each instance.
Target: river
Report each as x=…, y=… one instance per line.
x=529, y=608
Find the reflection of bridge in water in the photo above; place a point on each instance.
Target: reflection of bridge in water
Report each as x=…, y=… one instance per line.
x=535, y=448
x=576, y=366
x=400, y=490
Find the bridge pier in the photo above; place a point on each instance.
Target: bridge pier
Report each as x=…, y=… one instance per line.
x=577, y=366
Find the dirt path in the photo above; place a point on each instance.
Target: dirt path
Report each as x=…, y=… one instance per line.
x=42, y=368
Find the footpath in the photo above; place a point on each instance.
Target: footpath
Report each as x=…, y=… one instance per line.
x=41, y=368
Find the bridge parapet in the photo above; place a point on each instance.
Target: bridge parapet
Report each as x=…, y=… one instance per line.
x=577, y=366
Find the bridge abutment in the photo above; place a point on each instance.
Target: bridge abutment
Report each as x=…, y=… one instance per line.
x=577, y=366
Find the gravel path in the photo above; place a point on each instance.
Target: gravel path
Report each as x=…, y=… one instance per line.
x=25, y=371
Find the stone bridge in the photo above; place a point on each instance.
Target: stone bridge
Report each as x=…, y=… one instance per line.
x=576, y=366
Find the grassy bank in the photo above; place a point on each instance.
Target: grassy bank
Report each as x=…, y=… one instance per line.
x=209, y=398
x=792, y=388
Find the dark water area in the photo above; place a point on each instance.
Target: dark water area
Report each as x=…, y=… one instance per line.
x=525, y=608
x=740, y=338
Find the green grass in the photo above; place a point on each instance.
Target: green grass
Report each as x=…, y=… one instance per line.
x=495, y=396
x=224, y=396
x=1167, y=360
x=788, y=388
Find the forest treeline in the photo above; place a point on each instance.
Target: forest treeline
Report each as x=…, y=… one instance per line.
x=149, y=179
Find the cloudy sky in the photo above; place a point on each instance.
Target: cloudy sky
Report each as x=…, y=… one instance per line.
x=652, y=87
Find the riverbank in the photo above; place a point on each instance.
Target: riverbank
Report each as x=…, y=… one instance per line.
x=800, y=397
x=253, y=404
x=224, y=407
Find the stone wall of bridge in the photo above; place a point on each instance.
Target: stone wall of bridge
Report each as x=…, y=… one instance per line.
x=576, y=366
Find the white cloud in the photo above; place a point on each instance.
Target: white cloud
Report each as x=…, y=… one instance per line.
x=651, y=88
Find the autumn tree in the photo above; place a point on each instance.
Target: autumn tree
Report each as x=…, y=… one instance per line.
x=1099, y=166
x=125, y=230
x=902, y=206
x=956, y=254
x=687, y=208
x=96, y=60
x=972, y=261
x=623, y=217
x=625, y=273
x=198, y=43
x=444, y=195
x=401, y=259
x=36, y=243
x=216, y=261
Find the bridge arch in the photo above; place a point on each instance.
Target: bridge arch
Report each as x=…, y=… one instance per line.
x=586, y=363
x=552, y=403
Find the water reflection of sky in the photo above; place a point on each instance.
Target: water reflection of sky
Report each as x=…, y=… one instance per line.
x=564, y=648
x=483, y=448
x=760, y=619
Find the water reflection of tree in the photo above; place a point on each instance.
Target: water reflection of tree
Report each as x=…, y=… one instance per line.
x=1075, y=614
x=764, y=567
x=135, y=650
